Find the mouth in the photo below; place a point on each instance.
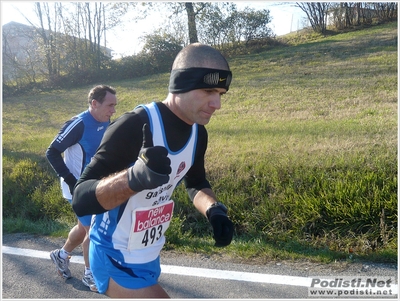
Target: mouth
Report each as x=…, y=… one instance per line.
x=208, y=114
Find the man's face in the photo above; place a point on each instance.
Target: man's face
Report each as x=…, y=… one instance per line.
x=102, y=112
x=197, y=106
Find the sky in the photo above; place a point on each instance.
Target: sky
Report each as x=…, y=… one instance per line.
x=286, y=17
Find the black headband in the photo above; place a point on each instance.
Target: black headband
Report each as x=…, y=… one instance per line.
x=184, y=80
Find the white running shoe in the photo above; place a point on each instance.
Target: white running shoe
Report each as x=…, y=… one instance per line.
x=61, y=264
x=89, y=282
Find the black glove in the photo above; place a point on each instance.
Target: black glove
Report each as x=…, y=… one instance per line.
x=152, y=168
x=222, y=226
x=71, y=181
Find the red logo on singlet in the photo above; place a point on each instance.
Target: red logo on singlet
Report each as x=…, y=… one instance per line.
x=181, y=167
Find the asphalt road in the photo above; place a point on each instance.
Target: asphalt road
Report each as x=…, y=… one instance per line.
x=29, y=273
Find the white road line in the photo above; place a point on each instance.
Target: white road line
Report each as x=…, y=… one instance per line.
x=189, y=271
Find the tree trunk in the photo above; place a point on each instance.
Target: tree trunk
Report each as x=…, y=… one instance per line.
x=191, y=22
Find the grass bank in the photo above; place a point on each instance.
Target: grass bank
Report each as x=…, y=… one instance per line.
x=303, y=152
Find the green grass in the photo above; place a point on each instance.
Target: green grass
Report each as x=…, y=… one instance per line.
x=303, y=152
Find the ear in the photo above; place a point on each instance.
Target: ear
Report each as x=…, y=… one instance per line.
x=94, y=103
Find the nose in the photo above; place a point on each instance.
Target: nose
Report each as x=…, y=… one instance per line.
x=215, y=101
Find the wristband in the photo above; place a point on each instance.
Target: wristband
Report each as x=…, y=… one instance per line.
x=216, y=205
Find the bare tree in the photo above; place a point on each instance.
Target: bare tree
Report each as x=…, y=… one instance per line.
x=87, y=26
x=387, y=11
x=68, y=36
x=21, y=64
x=316, y=13
x=347, y=14
x=48, y=33
x=191, y=22
x=192, y=10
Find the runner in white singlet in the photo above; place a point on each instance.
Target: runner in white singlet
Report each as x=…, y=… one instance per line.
x=143, y=156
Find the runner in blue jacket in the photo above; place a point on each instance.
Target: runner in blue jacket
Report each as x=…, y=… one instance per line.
x=69, y=153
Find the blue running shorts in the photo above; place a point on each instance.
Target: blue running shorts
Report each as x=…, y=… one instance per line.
x=85, y=220
x=131, y=276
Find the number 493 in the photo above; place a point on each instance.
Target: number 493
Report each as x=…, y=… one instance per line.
x=152, y=235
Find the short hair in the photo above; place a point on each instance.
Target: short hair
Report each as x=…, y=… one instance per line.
x=99, y=92
x=200, y=56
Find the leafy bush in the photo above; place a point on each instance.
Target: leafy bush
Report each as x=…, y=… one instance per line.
x=29, y=192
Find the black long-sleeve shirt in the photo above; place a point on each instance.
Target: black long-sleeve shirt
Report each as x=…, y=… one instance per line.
x=120, y=147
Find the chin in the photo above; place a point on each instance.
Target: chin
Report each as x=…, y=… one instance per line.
x=204, y=122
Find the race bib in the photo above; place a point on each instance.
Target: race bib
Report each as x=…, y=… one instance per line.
x=149, y=225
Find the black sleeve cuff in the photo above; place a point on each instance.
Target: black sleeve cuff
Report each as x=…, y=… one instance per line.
x=84, y=201
x=70, y=180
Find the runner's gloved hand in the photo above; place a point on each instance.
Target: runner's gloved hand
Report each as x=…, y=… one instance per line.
x=71, y=181
x=152, y=168
x=222, y=226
